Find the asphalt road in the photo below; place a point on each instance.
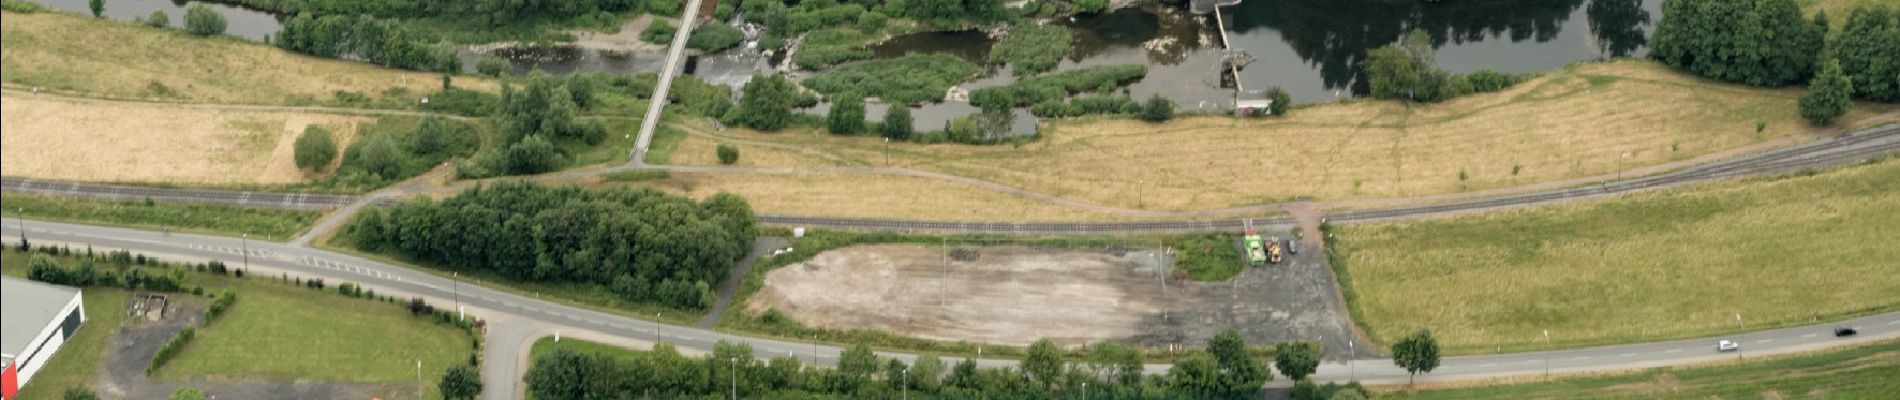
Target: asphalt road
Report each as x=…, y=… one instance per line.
x=516, y=318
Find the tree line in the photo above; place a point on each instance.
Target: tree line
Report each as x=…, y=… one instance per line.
x=1406, y=70
x=1108, y=370
x=1769, y=43
x=382, y=41
x=641, y=244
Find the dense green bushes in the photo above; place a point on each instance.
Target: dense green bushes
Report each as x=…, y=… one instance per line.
x=1759, y=42
x=381, y=41
x=219, y=306
x=645, y=245
x=202, y=21
x=911, y=79
x=1032, y=49
x=659, y=32
x=715, y=37
x=395, y=148
x=826, y=47
x=1406, y=71
x=531, y=120
x=767, y=103
x=1042, y=89
x=846, y=115
x=1827, y=97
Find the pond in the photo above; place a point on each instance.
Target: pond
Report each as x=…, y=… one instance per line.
x=239, y=21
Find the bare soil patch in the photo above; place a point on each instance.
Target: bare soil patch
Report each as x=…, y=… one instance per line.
x=137, y=142
x=1015, y=295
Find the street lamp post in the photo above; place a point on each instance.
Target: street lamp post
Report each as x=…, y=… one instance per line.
x=1547, y=353
x=456, y=287
x=735, y=377
x=1352, y=371
x=656, y=329
x=246, y=240
x=904, y=387
x=418, y=379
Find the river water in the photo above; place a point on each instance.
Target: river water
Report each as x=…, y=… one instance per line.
x=1311, y=48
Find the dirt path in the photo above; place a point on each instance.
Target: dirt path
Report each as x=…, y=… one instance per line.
x=730, y=286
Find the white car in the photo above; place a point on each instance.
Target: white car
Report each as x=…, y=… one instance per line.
x=1727, y=345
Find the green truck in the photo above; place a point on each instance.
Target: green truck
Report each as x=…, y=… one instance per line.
x=1256, y=248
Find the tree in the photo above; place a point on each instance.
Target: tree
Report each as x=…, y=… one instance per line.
x=1043, y=363
x=1866, y=48
x=188, y=394
x=1116, y=363
x=462, y=382
x=1296, y=360
x=1158, y=109
x=98, y=7
x=1240, y=373
x=767, y=104
x=926, y=372
x=533, y=155
x=727, y=154
x=1828, y=95
x=1390, y=73
x=201, y=20
x=857, y=364
x=1281, y=100
x=1759, y=42
x=1416, y=353
x=314, y=148
x=896, y=125
x=1617, y=26
x=158, y=19
x=846, y=116
x=379, y=155
x=995, y=122
x=1090, y=6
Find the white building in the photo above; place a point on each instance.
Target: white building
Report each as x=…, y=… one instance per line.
x=35, y=319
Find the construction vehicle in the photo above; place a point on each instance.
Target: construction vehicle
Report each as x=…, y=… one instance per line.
x=1273, y=251
x=1256, y=250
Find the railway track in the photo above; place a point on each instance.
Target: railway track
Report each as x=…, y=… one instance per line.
x=1840, y=150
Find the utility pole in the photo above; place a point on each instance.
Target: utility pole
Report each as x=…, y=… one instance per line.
x=1546, y=353
x=656, y=329
x=418, y=379
x=904, y=387
x=246, y=240
x=735, y=377
x=456, y=277
x=1352, y=371
x=942, y=285
x=19, y=216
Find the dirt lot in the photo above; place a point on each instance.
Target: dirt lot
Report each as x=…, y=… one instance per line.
x=1014, y=295
x=137, y=142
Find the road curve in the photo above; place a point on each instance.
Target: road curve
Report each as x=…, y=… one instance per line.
x=511, y=313
x=1839, y=150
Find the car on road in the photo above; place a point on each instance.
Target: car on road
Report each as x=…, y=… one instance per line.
x=1292, y=247
x=1844, y=331
x=1727, y=345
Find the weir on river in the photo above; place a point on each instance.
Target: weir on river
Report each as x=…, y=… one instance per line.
x=1233, y=58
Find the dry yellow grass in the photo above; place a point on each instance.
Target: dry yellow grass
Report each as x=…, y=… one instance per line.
x=72, y=53
x=865, y=196
x=1584, y=120
x=86, y=140
x=700, y=150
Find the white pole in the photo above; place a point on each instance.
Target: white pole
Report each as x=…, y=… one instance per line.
x=1546, y=352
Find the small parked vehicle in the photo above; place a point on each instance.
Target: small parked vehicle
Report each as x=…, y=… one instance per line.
x=1844, y=331
x=1727, y=345
x=1292, y=247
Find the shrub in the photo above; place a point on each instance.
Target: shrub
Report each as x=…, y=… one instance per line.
x=202, y=21
x=492, y=66
x=727, y=154
x=715, y=37
x=1028, y=92
x=1158, y=109
x=660, y=32
x=23, y=7
x=911, y=79
x=846, y=116
x=158, y=19
x=1281, y=100
x=170, y=349
x=315, y=148
x=219, y=306
x=1032, y=49
x=1486, y=80
x=897, y=123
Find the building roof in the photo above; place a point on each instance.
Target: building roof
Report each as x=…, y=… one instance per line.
x=26, y=308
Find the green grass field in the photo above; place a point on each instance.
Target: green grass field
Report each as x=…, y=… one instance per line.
x=267, y=224
x=281, y=332
x=1855, y=373
x=1209, y=257
x=1651, y=266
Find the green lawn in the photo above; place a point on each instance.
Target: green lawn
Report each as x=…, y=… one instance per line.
x=278, y=331
x=1653, y=266
x=1209, y=257
x=1855, y=373
x=267, y=224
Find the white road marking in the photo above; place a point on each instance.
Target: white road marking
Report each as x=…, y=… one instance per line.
x=1809, y=335
x=1488, y=365
x=1580, y=358
x=1625, y=354
x=1894, y=323
x=1674, y=351
x=1764, y=341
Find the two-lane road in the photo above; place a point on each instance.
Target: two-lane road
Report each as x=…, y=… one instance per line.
x=513, y=313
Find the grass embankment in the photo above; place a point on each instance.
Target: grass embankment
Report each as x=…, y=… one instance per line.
x=78, y=360
x=873, y=196
x=282, y=332
x=1652, y=266
x=1574, y=122
x=260, y=223
x=1863, y=372
x=92, y=57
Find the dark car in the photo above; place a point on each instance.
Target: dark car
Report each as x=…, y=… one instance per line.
x=1840, y=331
